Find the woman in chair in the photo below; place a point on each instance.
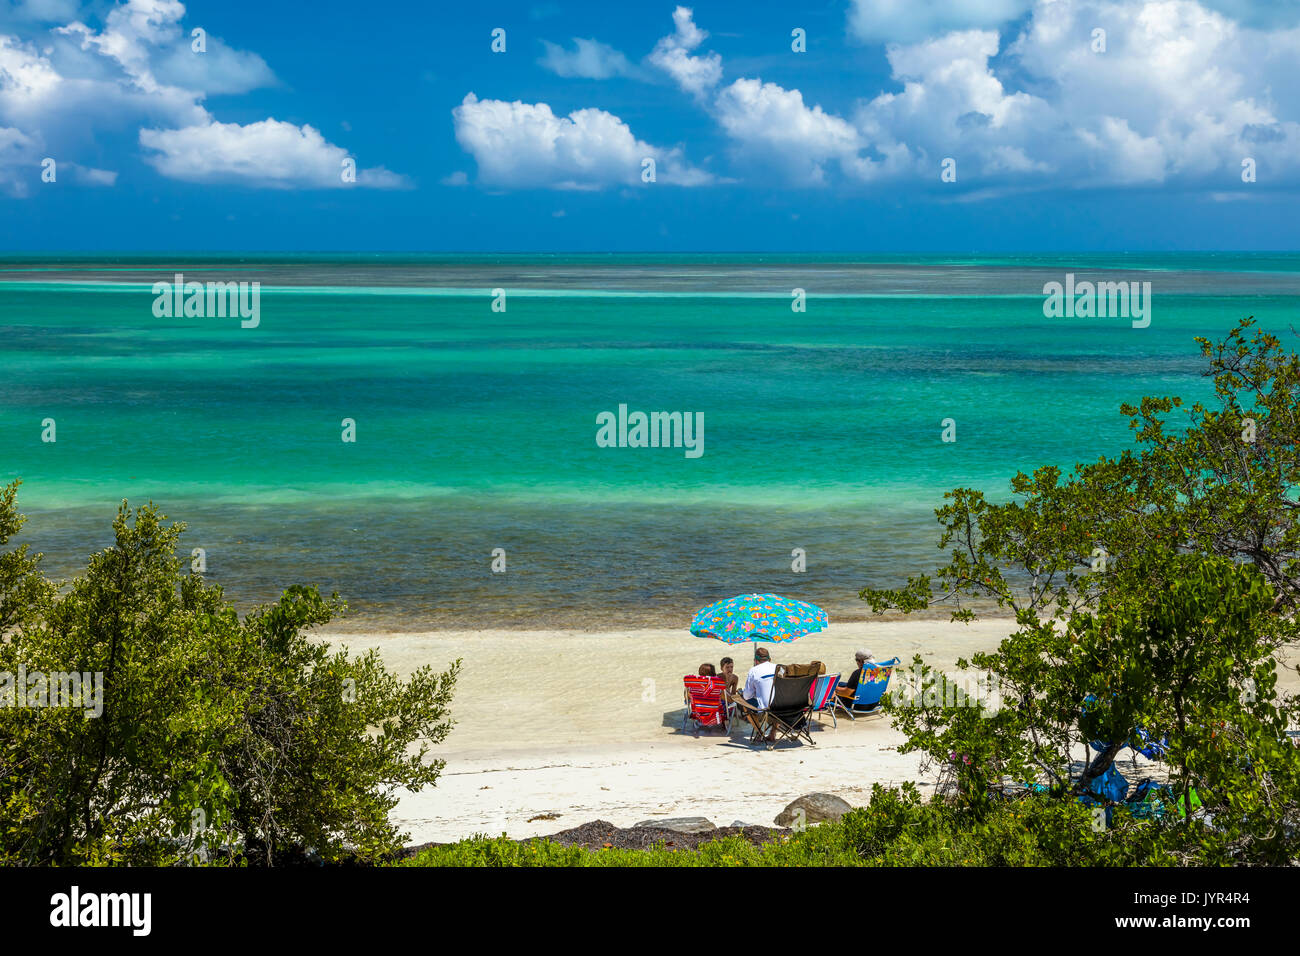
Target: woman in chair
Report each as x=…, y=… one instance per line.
x=849, y=688
x=706, y=670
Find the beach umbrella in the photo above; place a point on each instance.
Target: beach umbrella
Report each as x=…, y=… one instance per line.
x=758, y=617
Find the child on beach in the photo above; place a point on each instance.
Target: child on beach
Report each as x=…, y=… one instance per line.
x=729, y=672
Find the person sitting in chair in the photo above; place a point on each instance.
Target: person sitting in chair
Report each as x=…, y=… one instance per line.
x=758, y=683
x=849, y=688
x=706, y=670
x=728, y=668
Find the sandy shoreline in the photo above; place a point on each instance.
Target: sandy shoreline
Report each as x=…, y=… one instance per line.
x=587, y=726
x=575, y=726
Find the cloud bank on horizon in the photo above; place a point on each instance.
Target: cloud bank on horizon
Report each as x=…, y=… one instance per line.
x=1014, y=94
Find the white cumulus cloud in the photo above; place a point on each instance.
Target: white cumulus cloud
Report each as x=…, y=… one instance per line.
x=672, y=54
x=953, y=106
x=134, y=68
x=525, y=145
x=1181, y=94
x=27, y=80
x=268, y=153
x=774, y=125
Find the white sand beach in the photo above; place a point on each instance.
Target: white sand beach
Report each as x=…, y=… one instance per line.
x=578, y=726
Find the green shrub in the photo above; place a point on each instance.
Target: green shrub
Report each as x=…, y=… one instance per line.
x=1159, y=586
x=219, y=738
x=896, y=829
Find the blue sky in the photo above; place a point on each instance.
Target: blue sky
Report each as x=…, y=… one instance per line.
x=1060, y=138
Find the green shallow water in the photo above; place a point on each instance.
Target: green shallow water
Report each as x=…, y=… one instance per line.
x=476, y=429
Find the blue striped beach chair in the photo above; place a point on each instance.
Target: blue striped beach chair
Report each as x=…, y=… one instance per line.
x=873, y=681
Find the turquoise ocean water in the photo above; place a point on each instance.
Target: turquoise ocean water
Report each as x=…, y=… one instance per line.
x=476, y=429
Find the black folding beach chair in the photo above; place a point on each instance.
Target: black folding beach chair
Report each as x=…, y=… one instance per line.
x=790, y=712
x=742, y=709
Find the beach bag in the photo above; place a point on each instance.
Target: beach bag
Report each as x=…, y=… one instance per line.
x=815, y=669
x=1111, y=785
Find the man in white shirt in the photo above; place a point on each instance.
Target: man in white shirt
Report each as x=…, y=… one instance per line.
x=758, y=682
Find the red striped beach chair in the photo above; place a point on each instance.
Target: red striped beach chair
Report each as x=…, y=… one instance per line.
x=823, y=698
x=705, y=702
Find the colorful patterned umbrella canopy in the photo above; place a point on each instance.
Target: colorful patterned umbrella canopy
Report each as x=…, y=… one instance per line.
x=758, y=617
